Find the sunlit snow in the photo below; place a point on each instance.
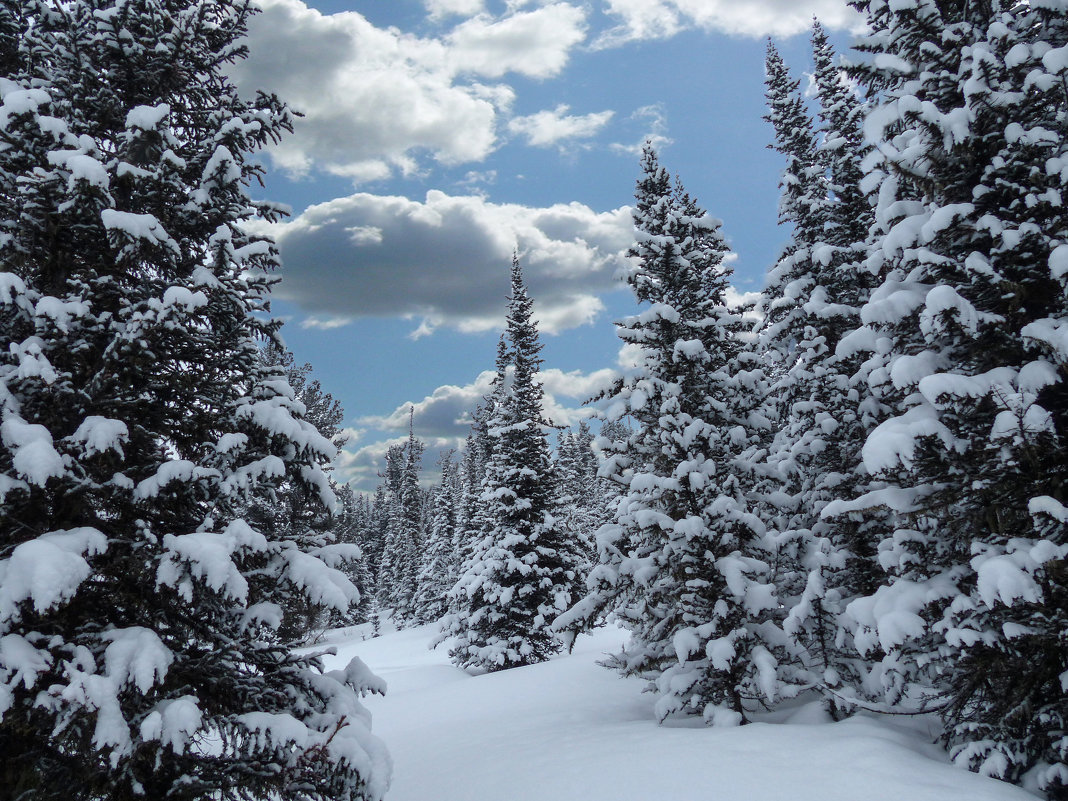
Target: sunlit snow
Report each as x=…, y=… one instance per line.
x=571, y=729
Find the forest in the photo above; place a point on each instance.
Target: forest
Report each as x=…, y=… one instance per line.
x=849, y=491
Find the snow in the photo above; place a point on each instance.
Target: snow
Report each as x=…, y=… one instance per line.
x=184, y=297
x=101, y=434
x=893, y=441
x=173, y=723
x=46, y=571
x=82, y=167
x=35, y=457
x=1058, y=261
x=570, y=729
x=32, y=361
x=147, y=118
x=60, y=312
x=320, y=583
x=209, y=557
x=22, y=661
x=138, y=226
x=1056, y=60
x=22, y=101
x=136, y=655
x=1044, y=504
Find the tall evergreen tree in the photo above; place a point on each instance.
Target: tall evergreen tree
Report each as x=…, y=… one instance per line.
x=377, y=536
x=842, y=150
x=138, y=609
x=408, y=531
x=683, y=565
x=470, y=517
x=968, y=247
x=524, y=571
x=812, y=299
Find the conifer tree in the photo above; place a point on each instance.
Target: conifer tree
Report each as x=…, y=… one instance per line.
x=848, y=216
x=290, y=513
x=377, y=536
x=470, y=518
x=406, y=531
x=812, y=298
x=683, y=565
x=582, y=509
x=351, y=525
x=524, y=571
x=969, y=250
x=138, y=608
x=440, y=563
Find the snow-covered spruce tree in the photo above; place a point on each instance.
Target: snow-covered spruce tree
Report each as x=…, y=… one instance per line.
x=290, y=512
x=377, y=536
x=406, y=531
x=580, y=492
x=525, y=570
x=389, y=512
x=351, y=525
x=138, y=610
x=684, y=565
x=969, y=132
x=848, y=217
x=440, y=559
x=812, y=298
x=470, y=519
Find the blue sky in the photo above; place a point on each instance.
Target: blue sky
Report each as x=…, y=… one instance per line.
x=438, y=135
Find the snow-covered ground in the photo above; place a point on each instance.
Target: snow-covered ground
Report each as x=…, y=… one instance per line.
x=570, y=729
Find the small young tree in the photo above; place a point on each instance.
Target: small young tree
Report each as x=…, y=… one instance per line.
x=580, y=492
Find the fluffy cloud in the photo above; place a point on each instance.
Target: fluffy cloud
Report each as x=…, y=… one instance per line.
x=547, y=128
x=445, y=260
x=374, y=99
x=444, y=8
x=446, y=412
x=662, y=19
x=361, y=468
x=443, y=419
x=535, y=43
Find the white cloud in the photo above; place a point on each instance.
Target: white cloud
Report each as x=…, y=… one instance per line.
x=654, y=121
x=475, y=177
x=325, y=323
x=662, y=19
x=461, y=8
x=362, y=468
x=445, y=414
x=547, y=128
x=445, y=260
x=376, y=100
x=535, y=43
